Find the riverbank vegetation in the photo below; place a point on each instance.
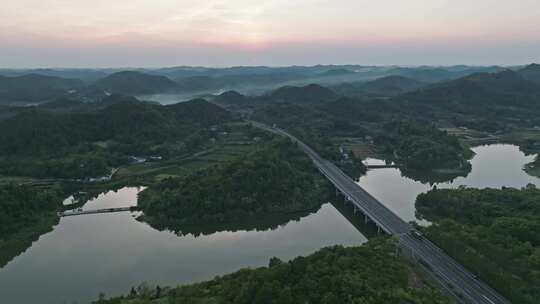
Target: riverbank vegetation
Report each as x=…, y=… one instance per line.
x=25, y=214
x=368, y=274
x=419, y=146
x=317, y=129
x=416, y=145
x=493, y=232
x=275, y=178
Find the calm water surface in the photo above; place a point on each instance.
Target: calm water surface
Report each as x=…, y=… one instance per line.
x=110, y=253
x=493, y=166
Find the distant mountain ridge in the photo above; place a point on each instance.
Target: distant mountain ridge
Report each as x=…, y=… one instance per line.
x=135, y=83
x=381, y=87
x=122, y=119
x=35, y=87
x=192, y=82
x=531, y=72
x=479, y=92
x=312, y=93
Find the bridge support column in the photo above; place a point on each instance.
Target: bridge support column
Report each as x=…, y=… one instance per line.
x=366, y=219
x=378, y=229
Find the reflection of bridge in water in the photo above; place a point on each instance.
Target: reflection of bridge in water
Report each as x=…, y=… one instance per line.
x=96, y=211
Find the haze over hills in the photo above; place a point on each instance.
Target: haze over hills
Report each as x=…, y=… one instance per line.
x=381, y=87
x=86, y=75
x=312, y=93
x=503, y=88
x=189, y=82
x=135, y=83
x=531, y=72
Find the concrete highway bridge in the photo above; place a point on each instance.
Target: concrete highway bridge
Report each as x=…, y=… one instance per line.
x=381, y=166
x=452, y=277
x=96, y=211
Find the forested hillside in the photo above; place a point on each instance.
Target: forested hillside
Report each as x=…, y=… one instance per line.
x=275, y=178
x=135, y=83
x=86, y=143
x=493, y=232
x=25, y=214
x=414, y=144
x=418, y=145
x=371, y=274
x=502, y=99
x=381, y=87
x=35, y=88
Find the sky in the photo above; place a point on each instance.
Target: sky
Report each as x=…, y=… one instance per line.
x=155, y=33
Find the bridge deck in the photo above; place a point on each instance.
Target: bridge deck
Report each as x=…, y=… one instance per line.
x=96, y=211
x=450, y=275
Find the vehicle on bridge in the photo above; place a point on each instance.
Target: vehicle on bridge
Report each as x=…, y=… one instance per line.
x=417, y=235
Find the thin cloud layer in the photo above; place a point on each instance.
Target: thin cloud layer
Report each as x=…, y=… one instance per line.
x=81, y=33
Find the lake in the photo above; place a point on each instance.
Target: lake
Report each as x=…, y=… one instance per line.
x=493, y=166
x=110, y=253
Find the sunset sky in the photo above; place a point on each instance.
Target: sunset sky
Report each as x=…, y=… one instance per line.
x=120, y=33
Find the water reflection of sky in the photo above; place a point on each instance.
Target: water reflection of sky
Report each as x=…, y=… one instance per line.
x=110, y=253
x=492, y=166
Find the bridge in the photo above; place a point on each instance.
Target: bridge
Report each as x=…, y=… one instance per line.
x=96, y=211
x=381, y=166
x=452, y=277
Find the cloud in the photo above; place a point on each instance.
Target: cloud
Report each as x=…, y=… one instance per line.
x=276, y=27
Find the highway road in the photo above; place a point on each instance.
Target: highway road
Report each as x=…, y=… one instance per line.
x=451, y=276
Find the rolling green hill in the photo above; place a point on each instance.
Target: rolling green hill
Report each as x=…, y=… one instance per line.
x=531, y=72
x=310, y=94
x=34, y=88
x=381, y=87
x=86, y=143
x=370, y=274
x=135, y=83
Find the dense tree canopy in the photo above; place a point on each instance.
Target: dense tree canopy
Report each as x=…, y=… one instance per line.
x=316, y=128
x=89, y=142
x=493, y=232
x=276, y=178
x=25, y=213
x=418, y=145
x=371, y=274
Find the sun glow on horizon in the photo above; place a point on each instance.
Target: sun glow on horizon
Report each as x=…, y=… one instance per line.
x=276, y=27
